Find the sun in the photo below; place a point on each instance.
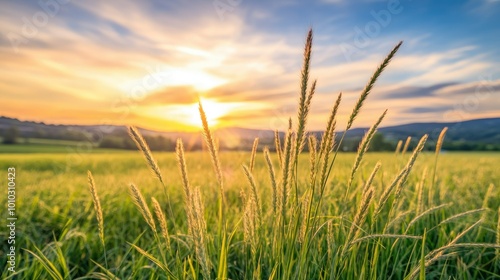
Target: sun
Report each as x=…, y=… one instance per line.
x=213, y=110
x=186, y=117
x=163, y=77
x=198, y=79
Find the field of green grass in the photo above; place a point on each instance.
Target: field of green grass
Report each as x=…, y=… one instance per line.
x=35, y=145
x=56, y=217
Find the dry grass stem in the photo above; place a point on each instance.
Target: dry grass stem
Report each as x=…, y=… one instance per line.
x=363, y=148
x=406, y=146
x=97, y=206
x=146, y=152
x=255, y=195
x=440, y=140
x=366, y=91
x=141, y=204
x=213, y=151
x=272, y=176
x=162, y=221
x=398, y=147
x=254, y=151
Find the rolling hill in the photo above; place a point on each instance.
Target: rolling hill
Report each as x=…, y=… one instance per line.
x=470, y=133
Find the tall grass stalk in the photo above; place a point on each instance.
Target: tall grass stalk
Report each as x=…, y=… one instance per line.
x=362, y=149
x=162, y=221
x=372, y=176
x=286, y=175
x=426, y=212
x=409, y=166
x=98, y=213
x=359, y=104
x=398, y=147
x=305, y=97
x=181, y=160
x=254, y=152
x=214, y=155
x=313, y=146
x=436, y=254
x=199, y=232
x=195, y=213
x=406, y=146
x=459, y=215
x=152, y=163
x=420, y=191
x=303, y=110
x=439, y=144
x=254, y=194
x=327, y=142
x=146, y=152
x=361, y=214
x=250, y=222
x=366, y=91
x=398, y=182
x=277, y=145
x=272, y=175
x=141, y=204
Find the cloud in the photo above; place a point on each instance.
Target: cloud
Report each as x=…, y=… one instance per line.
x=172, y=95
x=415, y=92
x=92, y=57
x=425, y=110
x=484, y=8
x=484, y=86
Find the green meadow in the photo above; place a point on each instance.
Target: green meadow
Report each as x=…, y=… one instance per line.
x=56, y=218
x=51, y=146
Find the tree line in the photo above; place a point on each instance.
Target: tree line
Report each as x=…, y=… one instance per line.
x=121, y=140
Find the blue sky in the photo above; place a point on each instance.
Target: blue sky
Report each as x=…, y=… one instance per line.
x=145, y=62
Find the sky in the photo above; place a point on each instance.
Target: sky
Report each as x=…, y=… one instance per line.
x=147, y=63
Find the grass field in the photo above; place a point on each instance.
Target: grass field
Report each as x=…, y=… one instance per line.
x=56, y=215
x=35, y=145
x=41, y=146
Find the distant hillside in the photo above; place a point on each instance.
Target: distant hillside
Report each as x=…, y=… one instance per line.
x=480, y=134
x=480, y=130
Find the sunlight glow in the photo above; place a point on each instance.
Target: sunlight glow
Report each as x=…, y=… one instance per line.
x=198, y=79
x=158, y=78
x=213, y=110
x=188, y=114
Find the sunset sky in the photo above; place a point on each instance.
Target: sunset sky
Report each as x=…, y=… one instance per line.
x=146, y=62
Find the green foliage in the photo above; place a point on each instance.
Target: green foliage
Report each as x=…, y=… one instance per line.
x=10, y=136
x=156, y=143
x=379, y=143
